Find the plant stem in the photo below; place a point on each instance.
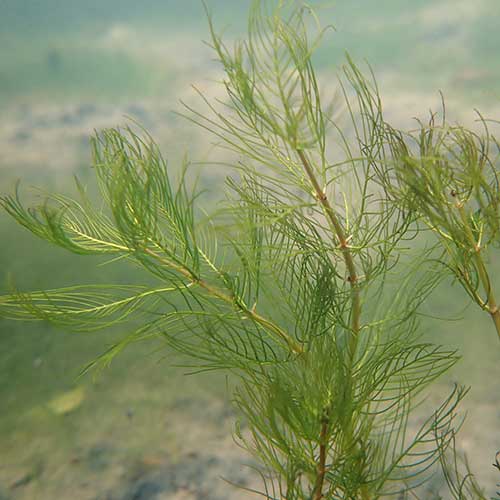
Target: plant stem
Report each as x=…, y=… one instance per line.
x=321, y=468
x=343, y=240
x=344, y=247
x=492, y=308
x=220, y=294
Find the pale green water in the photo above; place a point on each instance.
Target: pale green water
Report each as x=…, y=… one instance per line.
x=67, y=67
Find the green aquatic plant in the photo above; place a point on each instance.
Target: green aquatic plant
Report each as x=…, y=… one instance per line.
x=300, y=285
x=447, y=175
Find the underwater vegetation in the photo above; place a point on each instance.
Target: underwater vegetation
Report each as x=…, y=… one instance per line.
x=306, y=283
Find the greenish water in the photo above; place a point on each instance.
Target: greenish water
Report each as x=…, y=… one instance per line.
x=61, y=53
x=55, y=49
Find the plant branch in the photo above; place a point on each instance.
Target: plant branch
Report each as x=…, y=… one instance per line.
x=339, y=232
x=492, y=306
x=344, y=247
x=321, y=467
x=268, y=325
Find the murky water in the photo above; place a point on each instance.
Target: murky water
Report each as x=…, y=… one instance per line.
x=142, y=430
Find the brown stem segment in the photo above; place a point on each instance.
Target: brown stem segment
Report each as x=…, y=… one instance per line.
x=321, y=468
x=493, y=309
x=495, y=316
x=492, y=306
x=343, y=244
x=221, y=295
x=343, y=240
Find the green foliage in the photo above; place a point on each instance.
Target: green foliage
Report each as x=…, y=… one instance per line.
x=448, y=176
x=299, y=285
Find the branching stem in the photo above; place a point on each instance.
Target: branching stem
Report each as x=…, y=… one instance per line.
x=344, y=247
x=321, y=468
x=492, y=308
x=268, y=325
x=343, y=240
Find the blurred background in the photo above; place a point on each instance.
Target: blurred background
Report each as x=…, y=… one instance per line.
x=142, y=429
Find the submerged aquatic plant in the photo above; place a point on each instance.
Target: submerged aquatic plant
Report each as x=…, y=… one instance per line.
x=448, y=175
x=299, y=285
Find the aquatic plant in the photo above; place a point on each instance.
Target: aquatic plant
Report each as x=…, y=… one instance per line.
x=301, y=284
x=448, y=176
